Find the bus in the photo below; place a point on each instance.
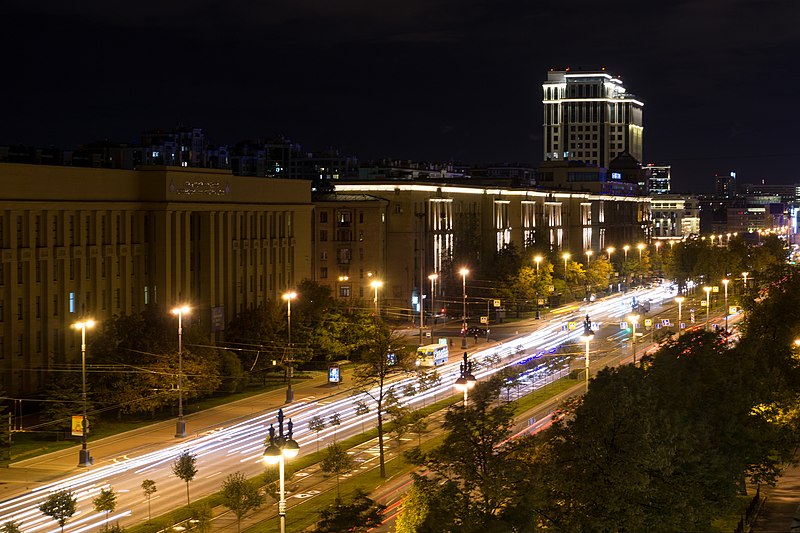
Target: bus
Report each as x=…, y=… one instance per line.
x=432, y=355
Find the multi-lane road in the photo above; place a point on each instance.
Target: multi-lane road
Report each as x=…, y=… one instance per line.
x=238, y=446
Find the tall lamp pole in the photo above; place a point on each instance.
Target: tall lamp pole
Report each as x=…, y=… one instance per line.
x=708, y=303
x=587, y=337
x=610, y=250
x=588, y=257
x=84, y=458
x=376, y=285
x=744, y=276
x=634, y=321
x=289, y=296
x=180, y=425
x=466, y=380
x=281, y=447
x=680, y=300
x=725, y=283
x=566, y=257
x=537, y=260
x=433, y=278
x=464, y=271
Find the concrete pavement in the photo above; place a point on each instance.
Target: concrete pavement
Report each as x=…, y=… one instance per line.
x=781, y=510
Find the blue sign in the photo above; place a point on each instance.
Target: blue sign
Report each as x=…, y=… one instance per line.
x=334, y=374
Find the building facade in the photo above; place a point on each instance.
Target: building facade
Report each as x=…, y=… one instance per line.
x=425, y=222
x=674, y=216
x=590, y=117
x=88, y=242
x=659, y=178
x=349, y=243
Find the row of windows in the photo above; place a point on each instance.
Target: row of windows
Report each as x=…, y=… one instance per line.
x=72, y=307
x=89, y=268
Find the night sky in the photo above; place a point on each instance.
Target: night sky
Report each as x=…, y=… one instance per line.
x=432, y=80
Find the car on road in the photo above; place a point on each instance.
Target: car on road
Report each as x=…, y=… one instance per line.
x=474, y=330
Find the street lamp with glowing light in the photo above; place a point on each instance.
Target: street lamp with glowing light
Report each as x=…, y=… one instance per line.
x=708, y=303
x=84, y=457
x=634, y=322
x=464, y=271
x=537, y=260
x=279, y=448
x=466, y=380
x=180, y=425
x=680, y=300
x=288, y=297
x=376, y=284
x=566, y=257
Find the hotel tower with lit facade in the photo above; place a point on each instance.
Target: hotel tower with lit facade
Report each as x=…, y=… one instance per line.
x=590, y=117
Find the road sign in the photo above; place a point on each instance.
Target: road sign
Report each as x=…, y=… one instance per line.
x=564, y=327
x=77, y=425
x=715, y=288
x=572, y=325
x=623, y=325
x=540, y=301
x=484, y=320
x=666, y=323
x=648, y=322
x=691, y=316
x=551, y=288
x=732, y=309
x=496, y=303
x=428, y=334
x=703, y=303
x=683, y=325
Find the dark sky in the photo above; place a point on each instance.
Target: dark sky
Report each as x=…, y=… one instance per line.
x=419, y=79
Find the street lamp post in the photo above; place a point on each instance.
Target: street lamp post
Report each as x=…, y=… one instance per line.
x=289, y=296
x=634, y=322
x=180, y=425
x=464, y=271
x=280, y=448
x=466, y=381
x=84, y=457
x=725, y=283
x=587, y=337
x=610, y=250
x=433, y=278
x=588, y=257
x=708, y=303
x=625, y=249
x=640, y=247
x=680, y=300
x=376, y=285
x=537, y=259
x=566, y=256
x=744, y=276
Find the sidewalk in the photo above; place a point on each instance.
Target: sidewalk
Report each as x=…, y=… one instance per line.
x=29, y=474
x=781, y=511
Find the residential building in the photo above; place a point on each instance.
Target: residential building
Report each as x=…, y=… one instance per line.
x=725, y=185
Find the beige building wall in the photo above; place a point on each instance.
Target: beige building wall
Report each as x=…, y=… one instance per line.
x=349, y=243
x=428, y=216
x=84, y=242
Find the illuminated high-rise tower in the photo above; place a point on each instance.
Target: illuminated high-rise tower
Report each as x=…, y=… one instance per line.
x=590, y=117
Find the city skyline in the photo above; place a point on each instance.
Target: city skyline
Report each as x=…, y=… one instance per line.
x=421, y=81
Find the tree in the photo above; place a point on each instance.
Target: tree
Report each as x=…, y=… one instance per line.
x=240, y=496
x=361, y=410
x=149, y=488
x=418, y=425
x=105, y=502
x=60, y=506
x=11, y=526
x=430, y=506
x=372, y=374
x=358, y=516
x=316, y=424
x=337, y=462
x=185, y=468
x=334, y=421
x=472, y=465
x=202, y=515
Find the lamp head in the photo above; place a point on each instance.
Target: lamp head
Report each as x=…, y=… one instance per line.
x=272, y=455
x=626, y=247
x=565, y=255
x=680, y=299
x=290, y=449
x=376, y=284
x=461, y=384
x=640, y=246
x=610, y=249
x=433, y=277
x=181, y=310
x=707, y=289
x=464, y=271
x=291, y=295
x=538, y=259
x=88, y=324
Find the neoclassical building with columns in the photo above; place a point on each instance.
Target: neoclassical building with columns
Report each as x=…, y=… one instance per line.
x=87, y=242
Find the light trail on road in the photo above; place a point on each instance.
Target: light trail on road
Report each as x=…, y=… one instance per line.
x=239, y=446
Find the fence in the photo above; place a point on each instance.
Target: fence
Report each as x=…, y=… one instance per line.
x=752, y=507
